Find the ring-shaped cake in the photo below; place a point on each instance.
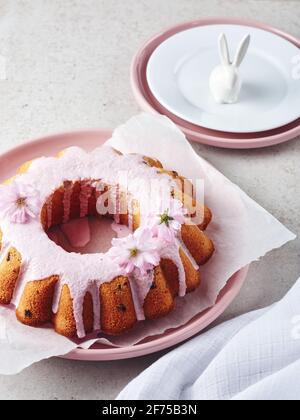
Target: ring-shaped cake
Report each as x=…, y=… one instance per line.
x=138, y=278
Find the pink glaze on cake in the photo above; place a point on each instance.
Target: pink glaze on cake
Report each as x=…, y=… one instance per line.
x=42, y=258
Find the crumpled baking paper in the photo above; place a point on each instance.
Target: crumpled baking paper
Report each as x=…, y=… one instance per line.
x=241, y=230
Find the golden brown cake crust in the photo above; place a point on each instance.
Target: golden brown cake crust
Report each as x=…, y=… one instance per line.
x=9, y=274
x=198, y=243
x=117, y=312
x=159, y=301
x=35, y=307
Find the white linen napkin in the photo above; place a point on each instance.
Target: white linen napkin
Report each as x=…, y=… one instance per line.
x=253, y=357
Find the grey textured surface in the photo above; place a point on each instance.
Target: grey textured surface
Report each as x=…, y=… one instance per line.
x=67, y=67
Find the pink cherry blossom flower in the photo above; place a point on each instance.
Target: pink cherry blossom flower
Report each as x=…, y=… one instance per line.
x=137, y=252
x=19, y=202
x=166, y=226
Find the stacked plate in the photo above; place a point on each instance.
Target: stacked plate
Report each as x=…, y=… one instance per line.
x=170, y=76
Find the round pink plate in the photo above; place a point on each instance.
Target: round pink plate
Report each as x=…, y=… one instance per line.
x=90, y=139
x=149, y=103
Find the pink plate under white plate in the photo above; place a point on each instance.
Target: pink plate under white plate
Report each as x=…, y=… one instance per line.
x=149, y=103
x=90, y=139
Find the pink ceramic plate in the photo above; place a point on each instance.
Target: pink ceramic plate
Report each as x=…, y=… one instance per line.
x=90, y=139
x=148, y=103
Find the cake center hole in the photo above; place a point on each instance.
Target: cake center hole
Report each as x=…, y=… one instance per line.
x=63, y=221
x=88, y=235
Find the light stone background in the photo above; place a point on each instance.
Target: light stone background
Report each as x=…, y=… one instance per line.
x=68, y=67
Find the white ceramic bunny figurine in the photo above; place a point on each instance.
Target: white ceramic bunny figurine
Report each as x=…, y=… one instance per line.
x=225, y=82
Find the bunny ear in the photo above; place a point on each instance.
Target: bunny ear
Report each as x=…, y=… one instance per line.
x=242, y=51
x=223, y=50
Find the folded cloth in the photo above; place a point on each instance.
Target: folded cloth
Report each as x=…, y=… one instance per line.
x=253, y=357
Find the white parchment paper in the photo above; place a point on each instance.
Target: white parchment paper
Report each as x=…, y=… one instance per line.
x=241, y=230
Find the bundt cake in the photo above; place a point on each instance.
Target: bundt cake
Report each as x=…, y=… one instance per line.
x=137, y=279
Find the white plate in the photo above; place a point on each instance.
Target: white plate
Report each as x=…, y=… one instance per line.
x=179, y=69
